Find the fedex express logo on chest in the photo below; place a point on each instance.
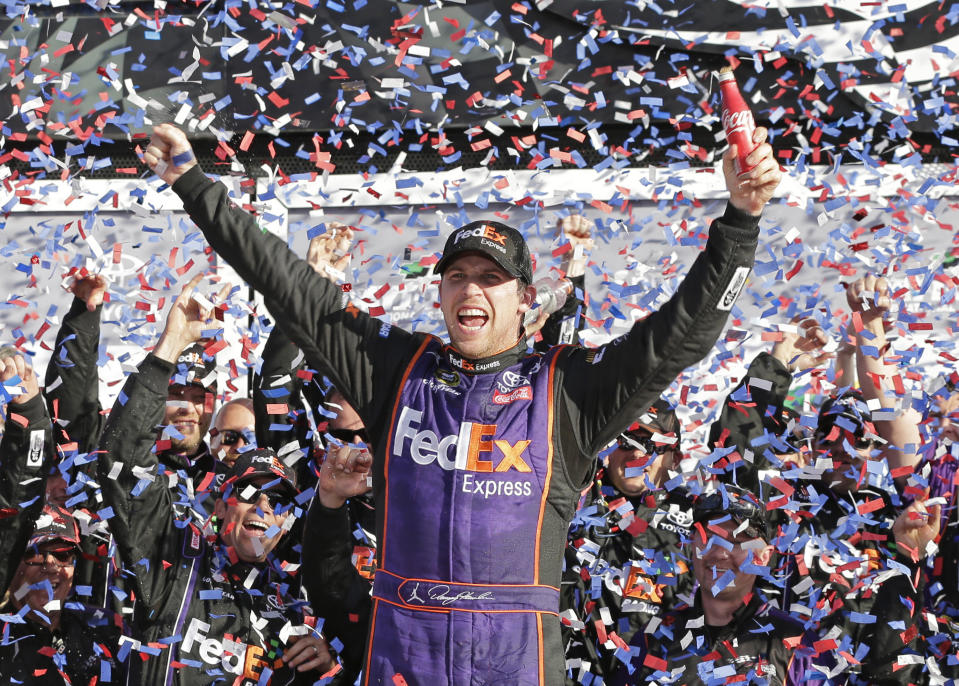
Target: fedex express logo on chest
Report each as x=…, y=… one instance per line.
x=473, y=449
x=229, y=652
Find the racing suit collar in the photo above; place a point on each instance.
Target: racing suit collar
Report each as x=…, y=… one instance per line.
x=486, y=365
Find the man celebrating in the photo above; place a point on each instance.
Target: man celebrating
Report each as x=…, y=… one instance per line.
x=210, y=606
x=481, y=449
x=57, y=640
x=729, y=633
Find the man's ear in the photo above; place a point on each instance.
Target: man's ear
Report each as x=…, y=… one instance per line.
x=527, y=299
x=219, y=509
x=765, y=555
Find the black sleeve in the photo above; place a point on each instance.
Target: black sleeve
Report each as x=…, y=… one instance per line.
x=898, y=610
x=142, y=518
x=357, y=352
x=72, y=379
x=604, y=389
x=26, y=457
x=746, y=416
x=277, y=387
x=336, y=590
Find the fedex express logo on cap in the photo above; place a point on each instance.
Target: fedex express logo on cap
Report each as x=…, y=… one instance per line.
x=191, y=357
x=487, y=235
x=270, y=461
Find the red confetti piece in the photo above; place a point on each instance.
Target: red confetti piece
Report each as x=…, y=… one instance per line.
x=654, y=663
x=213, y=347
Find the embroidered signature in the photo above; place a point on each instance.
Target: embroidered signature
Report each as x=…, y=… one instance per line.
x=441, y=593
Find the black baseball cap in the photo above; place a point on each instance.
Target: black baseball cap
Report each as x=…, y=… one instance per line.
x=55, y=524
x=501, y=243
x=194, y=367
x=260, y=462
x=733, y=502
x=661, y=417
x=849, y=412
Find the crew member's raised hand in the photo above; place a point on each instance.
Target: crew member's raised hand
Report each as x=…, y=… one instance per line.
x=90, y=289
x=329, y=253
x=189, y=319
x=169, y=154
x=870, y=297
x=344, y=475
x=17, y=366
x=916, y=527
x=802, y=349
x=751, y=191
x=577, y=229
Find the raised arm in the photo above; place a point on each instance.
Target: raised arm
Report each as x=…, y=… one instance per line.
x=564, y=325
x=619, y=380
x=72, y=381
x=754, y=406
x=279, y=390
x=142, y=518
x=869, y=301
x=353, y=349
x=26, y=457
x=898, y=601
x=336, y=589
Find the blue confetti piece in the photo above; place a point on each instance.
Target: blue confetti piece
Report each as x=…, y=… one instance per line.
x=182, y=158
x=862, y=618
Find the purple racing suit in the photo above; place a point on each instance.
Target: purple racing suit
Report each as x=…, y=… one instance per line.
x=477, y=463
x=468, y=477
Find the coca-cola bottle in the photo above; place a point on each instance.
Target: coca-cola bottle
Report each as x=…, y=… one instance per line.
x=737, y=119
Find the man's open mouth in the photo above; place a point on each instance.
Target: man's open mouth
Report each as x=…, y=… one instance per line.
x=472, y=318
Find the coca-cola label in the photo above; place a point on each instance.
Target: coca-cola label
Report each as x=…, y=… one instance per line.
x=740, y=120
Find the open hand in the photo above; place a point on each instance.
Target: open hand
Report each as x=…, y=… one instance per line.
x=189, y=319
x=329, y=253
x=802, y=349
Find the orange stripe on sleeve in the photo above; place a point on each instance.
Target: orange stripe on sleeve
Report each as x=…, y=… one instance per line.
x=549, y=471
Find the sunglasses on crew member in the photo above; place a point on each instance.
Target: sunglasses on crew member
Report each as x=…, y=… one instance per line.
x=741, y=510
x=276, y=499
x=232, y=437
x=638, y=442
x=64, y=557
x=349, y=435
x=859, y=443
